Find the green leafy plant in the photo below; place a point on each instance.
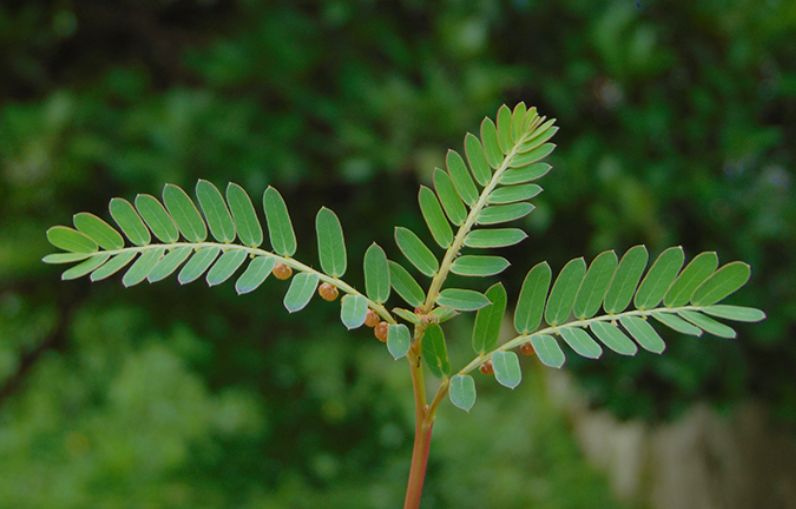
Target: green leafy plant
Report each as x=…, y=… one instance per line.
x=489, y=186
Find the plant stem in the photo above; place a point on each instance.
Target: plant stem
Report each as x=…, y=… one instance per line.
x=423, y=424
x=417, y=472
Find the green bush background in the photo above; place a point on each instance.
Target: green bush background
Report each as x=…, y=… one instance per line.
x=677, y=123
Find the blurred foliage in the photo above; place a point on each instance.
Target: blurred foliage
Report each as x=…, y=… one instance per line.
x=676, y=120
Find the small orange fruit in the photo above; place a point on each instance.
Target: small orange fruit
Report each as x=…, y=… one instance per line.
x=527, y=350
x=328, y=292
x=380, y=331
x=371, y=318
x=487, y=369
x=282, y=271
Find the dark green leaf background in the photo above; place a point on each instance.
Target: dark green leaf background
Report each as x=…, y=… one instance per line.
x=676, y=126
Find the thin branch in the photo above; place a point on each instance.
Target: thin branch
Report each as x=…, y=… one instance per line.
x=458, y=241
x=254, y=251
x=518, y=340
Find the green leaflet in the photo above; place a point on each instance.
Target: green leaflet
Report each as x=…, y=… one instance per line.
x=659, y=278
x=399, y=339
x=250, y=232
x=169, y=263
x=435, y=218
x=677, y=323
x=504, y=213
x=98, y=230
x=60, y=258
x=141, y=268
x=543, y=134
x=504, y=129
x=156, y=218
x=708, y=324
x=519, y=118
x=198, y=264
x=85, y=267
x=690, y=278
x=643, y=333
x=331, y=243
x=416, y=251
x=613, y=338
x=595, y=285
x=129, y=221
x=513, y=194
x=461, y=392
x=562, y=296
x=407, y=315
x=462, y=300
x=216, y=212
x=377, y=274
x=443, y=314
x=460, y=176
x=736, y=313
x=113, y=266
x=477, y=159
x=625, y=279
x=405, y=285
x=185, y=214
x=531, y=119
x=548, y=350
x=494, y=237
x=486, y=330
x=71, y=240
x=300, y=291
x=280, y=229
x=353, y=309
x=532, y=156
x=507, y=369
x=525, y=174
x=226, y=266
x=479, y=265
x=722, y=283
x=255, y=274
x=530, y=305
x=581, y=342
x=454, y=208
x=489, y=138
x=434, y=351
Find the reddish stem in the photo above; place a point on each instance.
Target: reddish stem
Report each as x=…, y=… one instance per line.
x=417, y=472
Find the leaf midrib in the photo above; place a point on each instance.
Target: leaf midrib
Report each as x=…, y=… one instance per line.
x=554, y=330
x=290, y=262
x=458, y=241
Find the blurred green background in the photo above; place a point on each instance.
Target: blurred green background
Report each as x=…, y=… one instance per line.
x=677, y=127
